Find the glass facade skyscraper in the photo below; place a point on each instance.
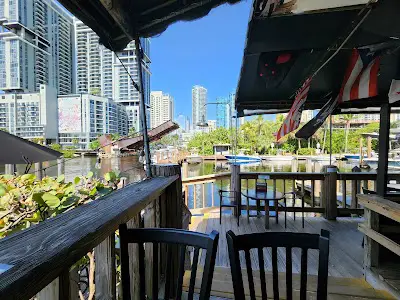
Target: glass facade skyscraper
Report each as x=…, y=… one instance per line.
x=36, y=46
x=100, y=72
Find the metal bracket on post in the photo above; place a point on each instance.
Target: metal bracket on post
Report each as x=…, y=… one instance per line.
x=142, y=106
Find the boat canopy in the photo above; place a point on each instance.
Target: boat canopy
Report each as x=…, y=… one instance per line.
x=282, y=50
x=117, y=22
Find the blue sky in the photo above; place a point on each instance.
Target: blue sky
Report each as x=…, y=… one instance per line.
x=206, y=52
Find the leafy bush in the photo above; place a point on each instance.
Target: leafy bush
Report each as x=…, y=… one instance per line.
x=25, y=200
x=306, y=151
x=56, y=147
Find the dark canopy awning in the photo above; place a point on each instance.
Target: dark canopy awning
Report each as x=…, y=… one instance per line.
x=301, y=40
x=117, y=22
x=15, y=150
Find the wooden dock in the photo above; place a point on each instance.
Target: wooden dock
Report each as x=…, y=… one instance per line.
x=345, y=259
x=346, y=252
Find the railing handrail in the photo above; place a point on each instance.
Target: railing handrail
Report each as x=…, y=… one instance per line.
x=283, y=175
x=41, y=253
x=205, y=178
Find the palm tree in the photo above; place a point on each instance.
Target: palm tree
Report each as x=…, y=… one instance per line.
x=347, y=119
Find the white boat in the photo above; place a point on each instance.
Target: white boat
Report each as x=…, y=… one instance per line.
x=243, y=159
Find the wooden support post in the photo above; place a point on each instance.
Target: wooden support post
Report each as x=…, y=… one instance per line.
x=212, y=194
x=235, y=183
x=369, y=147
x=329, y=196
x=173, y=215
x=39, y=170
x=185, y=170
x=50, y=292
x=203, y=191
x=60, y=166
x=355, y=188
x=74, y=284
x=294, y=165
x=9, y=169
x=133, y=254
x=105, y=275
x=371, y=248
x=64, y=287
x=149, y=220
x=382, y=177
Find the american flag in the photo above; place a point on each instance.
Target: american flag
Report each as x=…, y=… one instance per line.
x=292, y=120
x=361, y=78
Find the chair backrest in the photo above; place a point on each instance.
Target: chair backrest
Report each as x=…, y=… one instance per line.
x=275, y=240
x=166, y=240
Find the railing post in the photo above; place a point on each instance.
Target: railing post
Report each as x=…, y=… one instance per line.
x=294, y=165
x=50, y=292
x=60, y=166
x=39, y=170
x=105, y=275
x=172, y=212
x=236, y=183
x=354, y=189
x=9, y=169
x=329, y=194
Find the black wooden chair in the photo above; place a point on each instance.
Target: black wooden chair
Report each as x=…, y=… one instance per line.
x=169, y=238
x=274, y=240
x=227, y=199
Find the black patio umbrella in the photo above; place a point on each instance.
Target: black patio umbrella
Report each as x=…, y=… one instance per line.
x=15, y=150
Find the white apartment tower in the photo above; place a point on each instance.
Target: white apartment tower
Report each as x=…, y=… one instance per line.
x=100, y=71
x=36, y=46
x=199, y=100
x=161, y=108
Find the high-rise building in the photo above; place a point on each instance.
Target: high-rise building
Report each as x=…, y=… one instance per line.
x=226, y=111
x=212, y=125
x=83, y=117
x=36, y=46
x=187, y=124
x=161, y=108
x=101, y=72
x=307, y=116
x=31, y=115
x=199, y=110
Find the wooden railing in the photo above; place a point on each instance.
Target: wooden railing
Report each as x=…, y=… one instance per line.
x=331, y=193
x=202, y=183
x=41, y=258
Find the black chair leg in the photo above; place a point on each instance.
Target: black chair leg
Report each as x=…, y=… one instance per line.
x=220, y=214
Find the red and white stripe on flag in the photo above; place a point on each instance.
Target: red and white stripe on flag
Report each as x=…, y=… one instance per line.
x=361, y=78
x=292, y=120
x=394, y=93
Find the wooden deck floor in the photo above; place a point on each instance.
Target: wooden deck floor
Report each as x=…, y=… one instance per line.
x=346, y=252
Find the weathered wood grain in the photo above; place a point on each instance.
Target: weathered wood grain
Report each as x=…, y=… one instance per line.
x=381, y=205
x=41, y=253
x=105, y=276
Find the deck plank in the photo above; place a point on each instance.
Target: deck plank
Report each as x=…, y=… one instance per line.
x=338, y=287
x=346, y=252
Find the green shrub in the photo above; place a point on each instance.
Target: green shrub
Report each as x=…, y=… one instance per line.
x=306, y=151
x=24, y=200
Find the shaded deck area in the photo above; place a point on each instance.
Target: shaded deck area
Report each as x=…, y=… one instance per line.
x=346, y=251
